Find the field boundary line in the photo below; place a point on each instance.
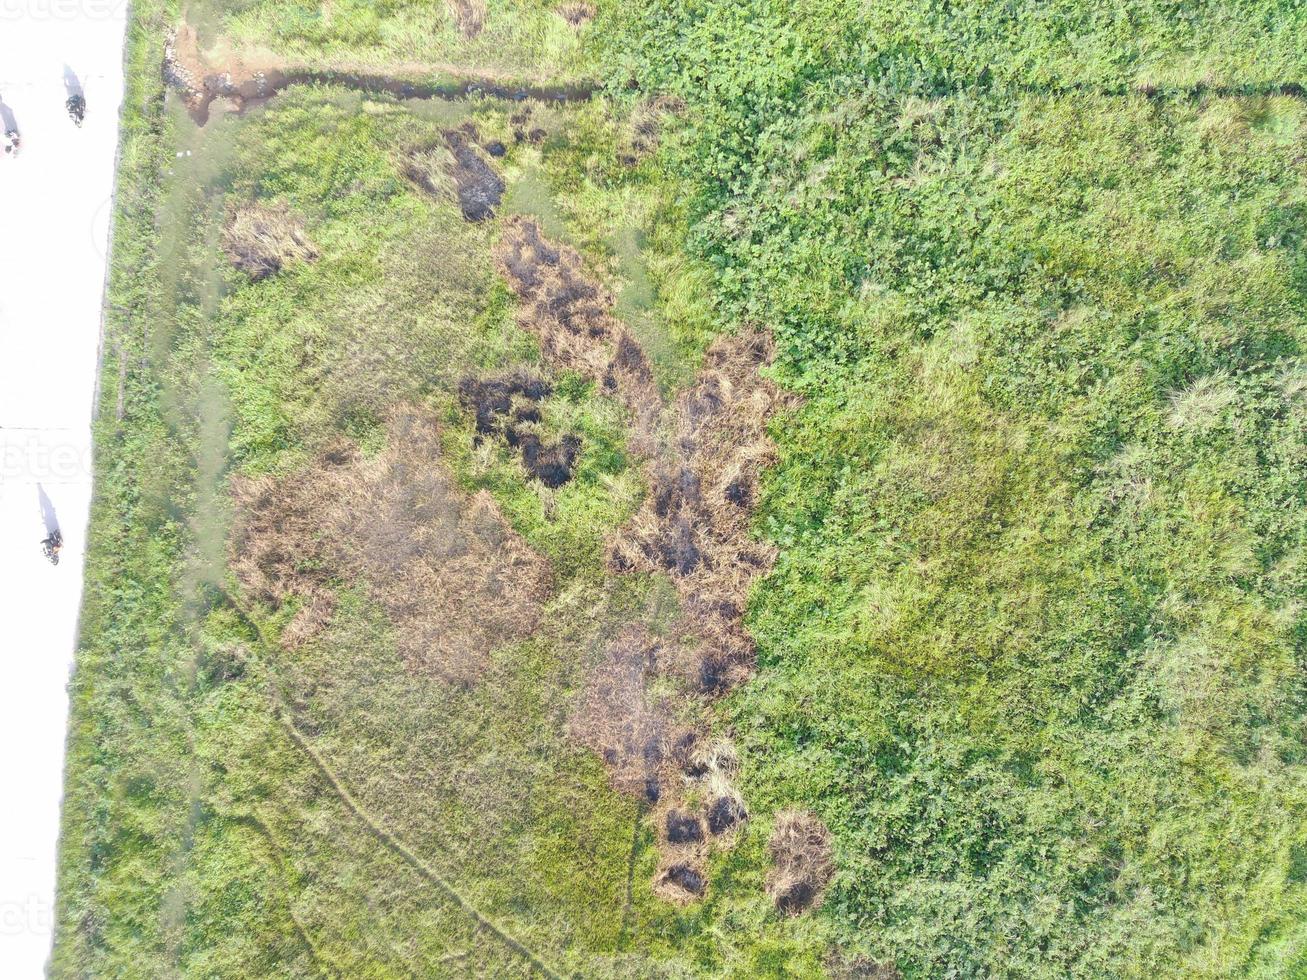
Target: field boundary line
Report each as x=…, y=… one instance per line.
x=391, y=842
x=257, y=824
x=402, y=850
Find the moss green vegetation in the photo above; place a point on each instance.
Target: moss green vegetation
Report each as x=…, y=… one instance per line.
x=1034, y=645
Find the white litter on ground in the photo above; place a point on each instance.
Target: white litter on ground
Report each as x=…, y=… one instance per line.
x=55, y=204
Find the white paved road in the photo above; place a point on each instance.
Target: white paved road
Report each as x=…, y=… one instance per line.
x=54, y=221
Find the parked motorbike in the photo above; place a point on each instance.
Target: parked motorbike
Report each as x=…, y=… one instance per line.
x=51, y=546
x=12, y=142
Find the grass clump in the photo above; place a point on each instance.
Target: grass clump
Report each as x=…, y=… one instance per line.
x=801, y=861
x=261, y=239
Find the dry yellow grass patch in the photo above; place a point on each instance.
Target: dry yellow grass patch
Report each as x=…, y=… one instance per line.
x=454, y=579
x=469, y=15
x=577, y=12
x=800, y=848
x=261, y=239
x=695, y=524
x=702, y=457
x=571, y=314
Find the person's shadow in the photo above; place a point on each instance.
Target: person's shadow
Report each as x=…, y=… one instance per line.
x=47, y=511
x=7, y=121
x=72, y=86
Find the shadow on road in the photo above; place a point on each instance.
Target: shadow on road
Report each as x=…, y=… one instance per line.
x=7, y=122
x=72, y=85
x=47, y=511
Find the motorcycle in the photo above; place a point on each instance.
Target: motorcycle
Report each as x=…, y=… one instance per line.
x=76, y=106
x=12, y=142
x=51, y=546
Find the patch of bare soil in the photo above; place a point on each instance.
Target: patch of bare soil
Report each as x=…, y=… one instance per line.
x=703, y=457
x=236, y=78
x=453, y=577
x=262, y=238
x=469, y=15
x=508, y=407
x=801, y=861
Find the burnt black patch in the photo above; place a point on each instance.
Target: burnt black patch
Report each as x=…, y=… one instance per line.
x=338, y=455
x=795, y=897
x=683, y=749
x=519, y=121
x=704, y=402
x=675, y=491
x=683, y=828
x=552, y=464
x=680, y=553
x=653, y=751
x=724, y=813
x=479, y=188
x=496, y=148
x=739, y=492
x=713, y=675
x=532, y=259
x=686, y=878
x=630, y=357
x=493, y=398
x=508, y=407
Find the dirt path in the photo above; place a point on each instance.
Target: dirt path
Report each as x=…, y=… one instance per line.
x=240, y=80
x=401, y=850
x=285, y=717
x=277, y=857
x=55, y=203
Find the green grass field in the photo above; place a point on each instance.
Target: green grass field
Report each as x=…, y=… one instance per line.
x=1032, y=647
x=521, y=39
